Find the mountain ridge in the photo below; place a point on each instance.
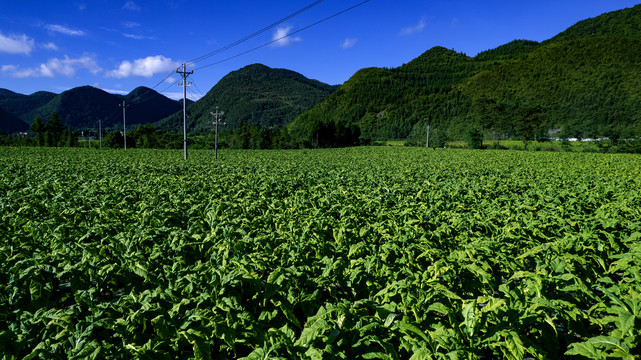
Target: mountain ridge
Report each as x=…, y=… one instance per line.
x=583, y=81
x=81, y=107
x=255, y=95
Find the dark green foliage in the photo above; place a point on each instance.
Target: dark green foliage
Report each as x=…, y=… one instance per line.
x=70, y=137
x=254, y=95
x=474, y=138
x=9, y=123
x=626, y=23
x=386, y=103
x=527, y=123
x=113, y=139
x=38, y=127
x=82, y=107
x=509, y=51
x=20, y=105
x=584, y=81
x=358, y=253
x=144, y=136
x=54, y=131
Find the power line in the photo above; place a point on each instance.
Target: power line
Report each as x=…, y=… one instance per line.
x=238, y=42
x=286, y=36
x=201, y=93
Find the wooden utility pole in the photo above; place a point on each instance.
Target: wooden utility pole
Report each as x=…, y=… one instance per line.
x=184, y=73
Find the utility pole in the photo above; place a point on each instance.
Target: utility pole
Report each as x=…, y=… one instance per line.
x=124, y=125
x=100, y=132
x=427, y=141
x=216, y=114
x=184, y=73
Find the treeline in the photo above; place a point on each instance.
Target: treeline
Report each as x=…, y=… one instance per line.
x=583, y=84
x=53, y=133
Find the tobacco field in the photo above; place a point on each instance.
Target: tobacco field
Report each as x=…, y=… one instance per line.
x=358, y=253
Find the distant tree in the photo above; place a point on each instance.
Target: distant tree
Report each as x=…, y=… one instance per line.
x=283, y=140
x=144, y=136
x=70, y=137
x=527, y=122
x=113, y=139
x=491, y=115
x=55, y=130
x=39, y=127
x=474, y=138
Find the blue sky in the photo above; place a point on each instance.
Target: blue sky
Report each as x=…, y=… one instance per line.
x=118, y=45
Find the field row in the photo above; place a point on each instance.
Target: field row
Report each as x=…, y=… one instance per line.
x=387, y=252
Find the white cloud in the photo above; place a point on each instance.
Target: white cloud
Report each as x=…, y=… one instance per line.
x=16, y=44
x=138, y=37
x=348, y=43
x=54, y=67
x=146, y=67
x=130, y=5
x=50, y=46
x=65, y=30
x=112, y=91
x=281, y=37
x=414, y=29
x=130, y=24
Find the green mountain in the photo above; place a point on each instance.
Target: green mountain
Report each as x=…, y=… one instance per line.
x=82, y=107
x=626, y=23
x=255, y=95
x=10, y=123
x=386, y=103
x=19, y=104
x=584, y=81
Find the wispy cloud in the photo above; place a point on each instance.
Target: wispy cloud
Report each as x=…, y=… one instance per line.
x=65, y=30
x=50, y=46
x=130, y=24
x=16, y=44
x=111, y=91
x=282, y=38
x=54, y=67
x=146, y=67
x=130, y=5
x=414, y=29
x=138, y=37
x=348, y=43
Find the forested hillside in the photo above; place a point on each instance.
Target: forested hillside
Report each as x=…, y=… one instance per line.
x=19, y=104
x=10, y=124
x=82, y=107
x=582, y=83
x=254, y=95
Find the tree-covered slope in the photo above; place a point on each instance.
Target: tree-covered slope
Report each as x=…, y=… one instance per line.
x=584, y=81
x=10, y=123
x=588, y=86
x=255, y=95
x=625, y=22
x=20, y=105
x=146, y=106
x=83, y=106
x=386, y=103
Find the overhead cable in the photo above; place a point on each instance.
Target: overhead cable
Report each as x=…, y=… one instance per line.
x=283, y=37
